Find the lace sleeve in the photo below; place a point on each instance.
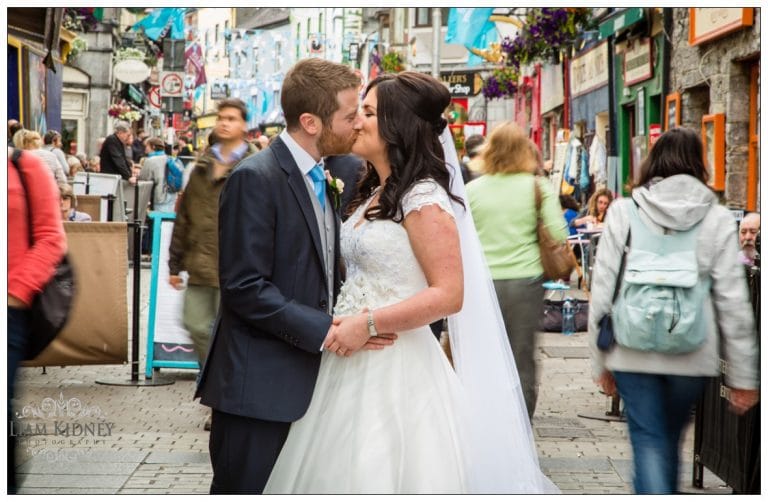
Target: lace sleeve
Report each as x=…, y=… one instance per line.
x=426, y=193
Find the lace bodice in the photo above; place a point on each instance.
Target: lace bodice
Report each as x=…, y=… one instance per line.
x=381, y=266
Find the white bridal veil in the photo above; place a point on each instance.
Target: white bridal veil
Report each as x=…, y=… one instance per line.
x=502, y=456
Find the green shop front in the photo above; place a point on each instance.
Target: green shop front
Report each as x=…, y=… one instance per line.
x=638, y=80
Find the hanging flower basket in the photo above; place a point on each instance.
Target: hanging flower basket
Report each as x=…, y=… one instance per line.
x=392, y=62
x=546, y=32
x=502, y=83
x=123, y=111
x=129, y=53
x=77, y=47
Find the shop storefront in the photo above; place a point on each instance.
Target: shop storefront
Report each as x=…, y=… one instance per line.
x=638, y=82
x=34, y=68
x=589, y=94
x=715, y=87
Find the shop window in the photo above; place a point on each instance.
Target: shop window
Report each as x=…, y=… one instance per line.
x=424, y=16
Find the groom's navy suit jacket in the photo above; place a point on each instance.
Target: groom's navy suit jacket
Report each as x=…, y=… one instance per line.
x=265, y=351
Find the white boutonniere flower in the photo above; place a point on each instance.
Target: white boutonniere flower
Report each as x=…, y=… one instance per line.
x=337, y=187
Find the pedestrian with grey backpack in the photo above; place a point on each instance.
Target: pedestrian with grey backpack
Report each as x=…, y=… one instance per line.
x=668, y=302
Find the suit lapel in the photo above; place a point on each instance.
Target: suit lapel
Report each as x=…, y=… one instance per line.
x=299, y=188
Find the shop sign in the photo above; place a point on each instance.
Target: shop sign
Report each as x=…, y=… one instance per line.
x=589, y=71
x=131, y=71
x=621, y=20
x=638, y=62
x=711, y=22
x=135, y=95
x=219, y=90
x=461, y=84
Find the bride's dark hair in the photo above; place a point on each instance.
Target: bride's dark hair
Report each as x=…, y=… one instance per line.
x=410, y=109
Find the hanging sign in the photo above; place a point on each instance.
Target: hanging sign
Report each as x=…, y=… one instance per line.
x=131, y=71
x=462, y=84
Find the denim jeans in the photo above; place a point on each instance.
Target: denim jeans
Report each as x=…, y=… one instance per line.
x=18, y=327
x=657, y=407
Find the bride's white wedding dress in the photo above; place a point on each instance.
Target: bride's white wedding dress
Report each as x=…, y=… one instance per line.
x=380, y=421
x=399, y=420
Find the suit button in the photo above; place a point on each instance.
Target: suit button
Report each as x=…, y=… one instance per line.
x=323, y=304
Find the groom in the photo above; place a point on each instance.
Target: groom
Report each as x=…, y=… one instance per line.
x=279, y=275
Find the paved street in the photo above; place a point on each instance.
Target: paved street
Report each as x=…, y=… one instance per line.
x=157, y=444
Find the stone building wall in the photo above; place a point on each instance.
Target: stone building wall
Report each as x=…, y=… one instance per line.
x=714, y=77
x=97, y=63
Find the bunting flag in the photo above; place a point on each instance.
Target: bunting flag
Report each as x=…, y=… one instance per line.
x=471, y=28
x=163, y=21
x=195, y=63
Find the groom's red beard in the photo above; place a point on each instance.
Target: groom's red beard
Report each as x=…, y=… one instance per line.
x=331, y=143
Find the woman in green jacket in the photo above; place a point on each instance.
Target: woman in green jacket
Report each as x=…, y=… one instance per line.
x=504, y=209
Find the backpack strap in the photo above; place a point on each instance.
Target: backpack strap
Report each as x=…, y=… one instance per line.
x=620, y=276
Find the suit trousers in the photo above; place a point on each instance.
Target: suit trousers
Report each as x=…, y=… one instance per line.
x=521, y=302
x=243, y=452
x=201, y=303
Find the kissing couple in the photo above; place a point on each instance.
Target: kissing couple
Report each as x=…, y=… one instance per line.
x=323, y=373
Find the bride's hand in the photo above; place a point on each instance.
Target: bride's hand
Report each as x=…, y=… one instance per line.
x=349, y=334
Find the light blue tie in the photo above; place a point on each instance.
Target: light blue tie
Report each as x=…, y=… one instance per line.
x=318, y=178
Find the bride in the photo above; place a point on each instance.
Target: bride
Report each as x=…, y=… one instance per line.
x=401, y=419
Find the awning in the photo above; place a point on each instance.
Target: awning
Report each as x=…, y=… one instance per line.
x=38, y=25
x=620, y=20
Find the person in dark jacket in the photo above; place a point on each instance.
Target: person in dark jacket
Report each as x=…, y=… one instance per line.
x=112, y=154
x=137, y=146
x=195, y=241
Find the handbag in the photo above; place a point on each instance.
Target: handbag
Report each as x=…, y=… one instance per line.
x=605, y=336
x=552, y=315
x=51, y=307
x=557, y=258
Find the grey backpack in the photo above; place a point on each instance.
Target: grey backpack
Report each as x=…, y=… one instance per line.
x=662, y=296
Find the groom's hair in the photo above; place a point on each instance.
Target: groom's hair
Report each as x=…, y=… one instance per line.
x=312, y=86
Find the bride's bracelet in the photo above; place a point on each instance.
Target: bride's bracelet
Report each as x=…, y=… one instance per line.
x=371, y=325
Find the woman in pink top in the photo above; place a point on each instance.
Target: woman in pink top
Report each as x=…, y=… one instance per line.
x=30, y=266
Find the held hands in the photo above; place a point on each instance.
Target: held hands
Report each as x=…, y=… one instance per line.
x=350, y=333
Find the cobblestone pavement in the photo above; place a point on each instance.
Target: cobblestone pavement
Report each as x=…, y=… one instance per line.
x=156, y=443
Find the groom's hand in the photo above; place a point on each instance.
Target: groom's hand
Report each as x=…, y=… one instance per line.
x=380, y=341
